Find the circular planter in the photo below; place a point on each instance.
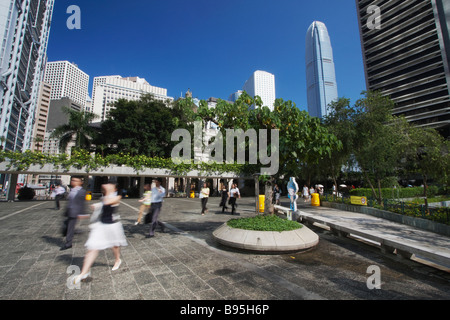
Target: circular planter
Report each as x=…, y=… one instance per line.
x=266, y=241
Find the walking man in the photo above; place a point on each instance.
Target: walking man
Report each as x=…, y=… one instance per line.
x=75, y=206
x=59, y=195
x=158, y=193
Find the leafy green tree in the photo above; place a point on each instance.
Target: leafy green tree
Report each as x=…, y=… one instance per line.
x=142, y=127
x=78, y=129
x=378, y=142
x=428, y=155
x=303, y=139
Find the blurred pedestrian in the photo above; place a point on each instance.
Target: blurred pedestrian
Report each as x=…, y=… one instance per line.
x=146, y=202
x=75, y=207
x=204, y=195
x=305, y=193
x=59, y=193
x=106, y=232
x=277, y=194
x=158, y=193
x=225, y=195
x=234, y=195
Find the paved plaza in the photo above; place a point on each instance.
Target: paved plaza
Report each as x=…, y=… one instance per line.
x=185, y=263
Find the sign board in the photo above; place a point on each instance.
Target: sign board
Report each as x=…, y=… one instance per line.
x=360, y=201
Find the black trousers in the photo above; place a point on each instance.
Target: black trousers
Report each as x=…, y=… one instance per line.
x=204, y=202
x=155, y=210
x=57, y=199
x=233, y=204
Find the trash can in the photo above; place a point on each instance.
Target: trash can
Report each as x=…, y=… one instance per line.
x=261, y=203
x=192, y=195
x=88, y=196
x=315, y=200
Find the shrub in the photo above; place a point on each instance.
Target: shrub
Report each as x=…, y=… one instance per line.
x=402, y=192
x=264, y=223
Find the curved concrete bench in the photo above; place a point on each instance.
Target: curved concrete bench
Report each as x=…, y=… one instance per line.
x=266, y=241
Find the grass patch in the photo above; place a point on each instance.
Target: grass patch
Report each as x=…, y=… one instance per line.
x=264, y=223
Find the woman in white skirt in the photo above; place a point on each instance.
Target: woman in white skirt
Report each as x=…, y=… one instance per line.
x=105, y=233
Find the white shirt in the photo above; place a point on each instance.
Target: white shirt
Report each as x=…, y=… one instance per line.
x=233, y=191
x=158, y=194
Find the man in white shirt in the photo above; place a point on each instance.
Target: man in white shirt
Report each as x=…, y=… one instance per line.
x=158, y=194
x=234, y=194
x=59, y=195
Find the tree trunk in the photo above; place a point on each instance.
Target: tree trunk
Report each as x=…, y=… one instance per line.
x=268, y=205
x=380, y=198
x=425, y=191
x=370, y=184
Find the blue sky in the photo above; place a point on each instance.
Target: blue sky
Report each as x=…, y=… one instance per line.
x=209, y=46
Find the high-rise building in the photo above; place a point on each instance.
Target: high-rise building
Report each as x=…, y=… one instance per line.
x=407, y=57
x=24, y=31
x=67, y=81
x=109, y=89
x=262, y=84
x=320, y=71
x=40, y=125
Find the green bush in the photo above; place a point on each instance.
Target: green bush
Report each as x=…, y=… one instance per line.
x=264, y=223
x=399, y=192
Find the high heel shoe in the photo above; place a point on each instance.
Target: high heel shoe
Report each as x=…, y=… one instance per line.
x=80, y=277
x=117, y=266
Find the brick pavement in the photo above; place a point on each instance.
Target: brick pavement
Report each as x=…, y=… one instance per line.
x=186, y=264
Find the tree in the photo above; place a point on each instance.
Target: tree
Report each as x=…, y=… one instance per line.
x=428, y=154
x=303, y=140
x=339, y=122
x=142, y=127
x=78, y=129
x=378, y=142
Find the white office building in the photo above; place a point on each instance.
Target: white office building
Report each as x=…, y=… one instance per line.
x=108, y=89
x=261, y=84
x=24, y=31
x=67, y=81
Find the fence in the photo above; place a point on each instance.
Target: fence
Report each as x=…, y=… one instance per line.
x=437, y=214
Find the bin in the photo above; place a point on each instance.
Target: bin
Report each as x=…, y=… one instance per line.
x=192, y=195
x=261, y=203
x=88, y=196
x=315, y=200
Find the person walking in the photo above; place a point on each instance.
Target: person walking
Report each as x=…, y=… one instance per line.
x=158, y=193
x=146, y=202
x=106, y=232
x=234, y=195
x=75, y=207
x=204, y=195
x=277, y=194
x=59, y=195
x=305, y=193
x=225, y=195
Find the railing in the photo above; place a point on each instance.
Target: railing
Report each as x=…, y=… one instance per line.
x=437, y=214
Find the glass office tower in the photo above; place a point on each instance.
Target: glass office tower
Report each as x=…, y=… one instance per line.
x=24, y=31
x=320, y=71
x=408, y=57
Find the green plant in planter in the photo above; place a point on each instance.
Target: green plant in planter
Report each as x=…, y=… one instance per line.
x=264, y=223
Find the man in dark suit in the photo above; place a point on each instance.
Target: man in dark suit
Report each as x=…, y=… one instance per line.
x=75, y=206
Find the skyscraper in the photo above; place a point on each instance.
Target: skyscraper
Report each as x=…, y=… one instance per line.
x=67, y=81
x=261, y=84
x=407, y=57
x=320, y=71
x=24, y=31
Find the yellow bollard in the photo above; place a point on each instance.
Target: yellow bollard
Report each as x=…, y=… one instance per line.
x=315, y=200
x=261, y=203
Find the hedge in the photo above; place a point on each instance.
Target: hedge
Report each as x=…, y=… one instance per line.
x=398, y=192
